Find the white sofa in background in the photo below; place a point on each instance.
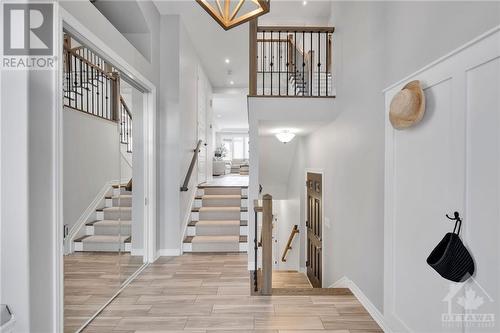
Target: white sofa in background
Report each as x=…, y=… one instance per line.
x=221, y=168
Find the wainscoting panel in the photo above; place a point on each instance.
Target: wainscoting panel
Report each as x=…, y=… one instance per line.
x=448, y=162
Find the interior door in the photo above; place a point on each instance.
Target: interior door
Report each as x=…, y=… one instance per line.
x=202, y=128
x=314, y=228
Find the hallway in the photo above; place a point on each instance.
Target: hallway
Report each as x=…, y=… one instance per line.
x=211, y=292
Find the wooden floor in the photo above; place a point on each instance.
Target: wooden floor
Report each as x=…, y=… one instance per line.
x=228, y=180
x=90, y=280
x=211, y=293
x=290, y=279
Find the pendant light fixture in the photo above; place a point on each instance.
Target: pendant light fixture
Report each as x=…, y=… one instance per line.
x=231, y=13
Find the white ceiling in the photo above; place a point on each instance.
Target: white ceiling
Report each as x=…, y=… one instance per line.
x=214, y=45
x=267, y=127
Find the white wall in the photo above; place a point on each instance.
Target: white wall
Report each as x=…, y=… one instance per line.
x=91, y=158
x=177, y=130
x=374, y=43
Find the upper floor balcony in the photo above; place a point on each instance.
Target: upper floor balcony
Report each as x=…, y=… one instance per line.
x=287, y=61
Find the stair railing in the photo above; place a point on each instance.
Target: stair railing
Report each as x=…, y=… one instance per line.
x=290, y=61
x=196, y=151
x=92, y=85
x=265, y=281
x=288, y=246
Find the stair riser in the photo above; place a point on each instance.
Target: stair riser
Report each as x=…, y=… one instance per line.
x=115, y=215
x=122, y=190
x=120, y=202
x=109, y=231
x=220, y=203
x=223, y=190
x=196, y=216
x=102, y=247
x=217, y=231
x=188, y=247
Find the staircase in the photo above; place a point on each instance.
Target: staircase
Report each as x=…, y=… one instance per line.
x=111, y=231
x=219, y=220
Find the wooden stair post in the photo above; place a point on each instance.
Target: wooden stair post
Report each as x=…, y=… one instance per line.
x=267, y=244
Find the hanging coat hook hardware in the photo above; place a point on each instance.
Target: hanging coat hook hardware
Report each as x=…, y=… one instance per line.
x=458, y=221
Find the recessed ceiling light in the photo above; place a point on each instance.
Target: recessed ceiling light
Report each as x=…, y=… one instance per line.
x=219, y=116
x=227, y=61
x=231, y=82
x=304, y=3
x=285, y=136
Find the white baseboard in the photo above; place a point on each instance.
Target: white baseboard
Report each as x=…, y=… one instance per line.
x=137, y=252
x=345, y=282
x=169, y=252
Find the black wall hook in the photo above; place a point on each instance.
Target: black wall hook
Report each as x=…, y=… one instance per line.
x=458, y=221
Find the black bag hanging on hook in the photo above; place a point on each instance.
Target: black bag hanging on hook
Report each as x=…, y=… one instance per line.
x=450, y=258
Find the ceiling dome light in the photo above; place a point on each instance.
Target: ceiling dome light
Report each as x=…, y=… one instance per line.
x=227, y=61
x=285, y=136
x=304, y=3
x=231, y=82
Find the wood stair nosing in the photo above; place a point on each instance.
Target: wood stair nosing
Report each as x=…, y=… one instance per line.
x=243, y=223
x=189, y=239
x=214, y=197
x=80, y=239
x=215, y=208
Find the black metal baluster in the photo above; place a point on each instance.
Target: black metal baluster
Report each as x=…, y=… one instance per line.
x=87, y=89
x=107, y=98
x=327, y=54
x=303, y=63
x=271, y=63
x=92, y=78
x=68, y=76
x=311, y=64
x=319, y=64
x=81, y=84
x=75, y=82
x=279, y=63
x=287, y=61
x=255, y=248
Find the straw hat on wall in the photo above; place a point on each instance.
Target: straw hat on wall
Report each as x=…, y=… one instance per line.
x=408, y=106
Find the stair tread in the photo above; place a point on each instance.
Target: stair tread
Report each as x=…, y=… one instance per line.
x=218, y=222
x=215, y=239
x=110, y=223
x=112, y=209
x=104, y=239
x=122, y=196
x=220, y=196
x=218, y=186
x=220, y=209
x=194, y=222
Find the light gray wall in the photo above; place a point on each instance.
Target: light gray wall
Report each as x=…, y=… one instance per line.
x=375, y=44
x=91, y=158
x=177, y=129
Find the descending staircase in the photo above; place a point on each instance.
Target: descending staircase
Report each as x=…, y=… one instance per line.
x=219, y=220
x=111, y=231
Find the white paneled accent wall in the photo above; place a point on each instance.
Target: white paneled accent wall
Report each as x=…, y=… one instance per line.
x=449, y=162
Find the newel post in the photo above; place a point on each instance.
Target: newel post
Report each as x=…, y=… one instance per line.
x=115, y=95
x=252, y=72
x=267, y=244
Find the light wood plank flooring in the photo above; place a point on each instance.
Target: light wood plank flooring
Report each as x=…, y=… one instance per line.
x=90, y=280
x=211, y=293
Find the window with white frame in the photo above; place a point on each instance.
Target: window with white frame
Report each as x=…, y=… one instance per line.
x=237, y=146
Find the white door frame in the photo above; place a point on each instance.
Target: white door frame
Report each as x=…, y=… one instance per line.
x=322, y=173
x=66, y=21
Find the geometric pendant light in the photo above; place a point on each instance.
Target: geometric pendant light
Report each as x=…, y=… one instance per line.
x=230, y=14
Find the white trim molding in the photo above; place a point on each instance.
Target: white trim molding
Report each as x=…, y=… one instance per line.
x=169, y=252
x=345, y=282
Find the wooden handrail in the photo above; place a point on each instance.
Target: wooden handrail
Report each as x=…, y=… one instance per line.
x=125, y=106
x=288, y=246
x=184, y=186
x=90, y=64
x=292, y=29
